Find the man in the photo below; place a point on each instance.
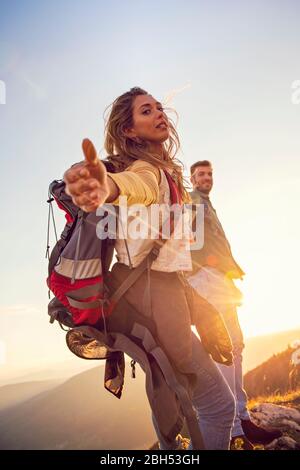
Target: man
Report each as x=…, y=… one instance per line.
x=214, y=269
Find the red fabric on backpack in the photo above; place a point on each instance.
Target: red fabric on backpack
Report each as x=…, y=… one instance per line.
x=61, y=285
x=68, y=216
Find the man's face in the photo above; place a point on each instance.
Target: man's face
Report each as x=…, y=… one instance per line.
x=202, y=179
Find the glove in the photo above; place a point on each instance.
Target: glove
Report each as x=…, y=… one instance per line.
x=210, y=327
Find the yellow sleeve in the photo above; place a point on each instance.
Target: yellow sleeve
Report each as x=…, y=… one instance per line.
x=139, y=183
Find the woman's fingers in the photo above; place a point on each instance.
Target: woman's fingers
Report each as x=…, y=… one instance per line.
x=84, y=173
x=89, y=151
x=93, y=164
x=86, y=182
x=90, y=199
x=71, y=176
x=87, y=204
x=75, y=173
x=90, y=207
x=82, y=186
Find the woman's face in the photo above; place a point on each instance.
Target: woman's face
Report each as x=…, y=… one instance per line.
x=149, y=120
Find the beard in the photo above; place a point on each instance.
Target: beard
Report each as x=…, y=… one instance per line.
x=204, y=188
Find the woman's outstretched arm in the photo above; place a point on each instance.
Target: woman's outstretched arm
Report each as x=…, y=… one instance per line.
x=90, y=185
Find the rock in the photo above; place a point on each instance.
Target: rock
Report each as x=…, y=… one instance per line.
x=281, y=417
x=267, y=414
x=289, y=424
x=283, y=443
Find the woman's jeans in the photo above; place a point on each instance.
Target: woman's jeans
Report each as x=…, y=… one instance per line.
x=213, y=401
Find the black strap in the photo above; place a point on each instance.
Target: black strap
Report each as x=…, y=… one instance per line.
x=138, y=271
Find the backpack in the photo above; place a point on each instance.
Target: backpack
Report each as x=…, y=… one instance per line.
x=77, y=264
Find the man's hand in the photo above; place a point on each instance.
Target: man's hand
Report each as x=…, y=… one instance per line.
x=86, y=182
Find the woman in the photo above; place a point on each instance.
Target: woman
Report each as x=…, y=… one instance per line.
x=142, y=143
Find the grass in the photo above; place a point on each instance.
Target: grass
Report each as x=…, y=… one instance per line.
x=288, y=399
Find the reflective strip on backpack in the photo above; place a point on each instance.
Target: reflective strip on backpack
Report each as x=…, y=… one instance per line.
x=85, y=268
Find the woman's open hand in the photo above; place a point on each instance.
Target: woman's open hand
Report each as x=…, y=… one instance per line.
x=86, y=182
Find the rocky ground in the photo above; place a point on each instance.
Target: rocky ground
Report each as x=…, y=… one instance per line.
x=286, y=418
x=281, y=412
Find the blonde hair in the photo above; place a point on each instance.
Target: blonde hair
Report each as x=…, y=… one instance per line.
x=123, y=151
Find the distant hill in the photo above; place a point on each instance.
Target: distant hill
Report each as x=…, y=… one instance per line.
x=80, y=414
x=14, y=394
x=261, y=348
x=270, y=377
x=46, y=372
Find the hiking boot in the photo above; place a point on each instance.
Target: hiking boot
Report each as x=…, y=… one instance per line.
x=182, y=442
x=240, y=443
x=257, y=434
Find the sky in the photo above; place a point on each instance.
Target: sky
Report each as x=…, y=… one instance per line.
x=228, y=68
